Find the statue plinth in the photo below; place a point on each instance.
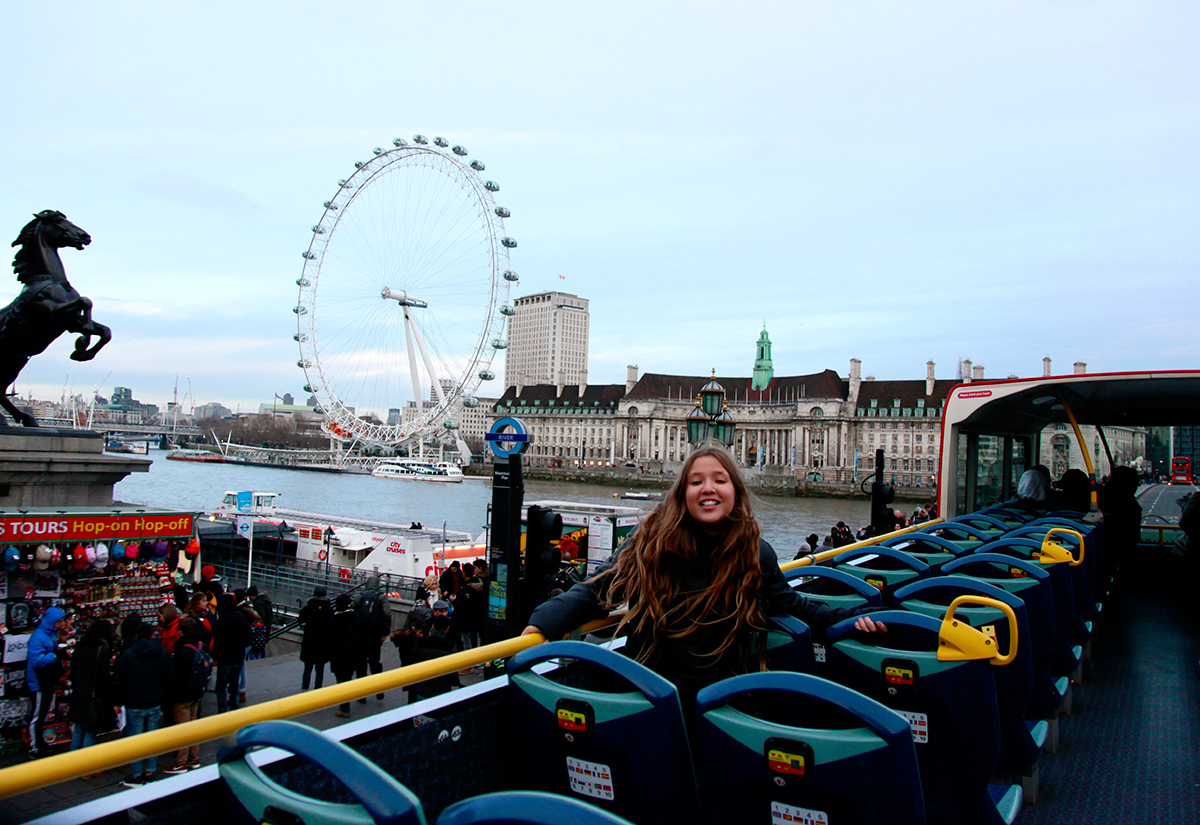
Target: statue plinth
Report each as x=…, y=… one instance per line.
x=47, y=467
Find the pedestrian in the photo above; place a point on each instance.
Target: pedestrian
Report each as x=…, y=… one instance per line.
x=43, y=671
x=91, y=709
x=373, y=613
x=432, y=645
x=451, y=582
x=140, y=682
x=266, y=613
x=805, y=549
x=314, y=643
x=428, y=591
x=231, y=637
x=198, y=609
x=698, y=580
x=347, y=659
x=128, y=632
x=168, y=624
x=242, y=602
x=191, y=665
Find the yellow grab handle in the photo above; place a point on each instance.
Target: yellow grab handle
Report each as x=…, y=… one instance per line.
x=1055, y=553
x=959, y=642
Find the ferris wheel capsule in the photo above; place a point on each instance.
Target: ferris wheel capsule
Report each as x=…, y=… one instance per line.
x=470, y=401
x=506, y=309
x=502, y=212
x=491, y=186
x=509, y=275
x=398, y=142
x=477, y=165
x=487, y=375
x=331, y=206
x=441, y=141
x=508, y=242
x=459, y=150
x=450, y=424
x=378, y=150
x=499, y=343
x=421, y=139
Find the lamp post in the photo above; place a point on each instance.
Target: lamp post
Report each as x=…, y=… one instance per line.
x=710, y=418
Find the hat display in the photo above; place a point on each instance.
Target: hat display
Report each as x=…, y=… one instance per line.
x=41, y=557
x=12, y=557
x=102, y=555
x=160, y=549
x=90, y=553
x=118, y=551
x=55, y=555
x=193, y=546
x=79, y=557
x=131, y=551
x=26, y=557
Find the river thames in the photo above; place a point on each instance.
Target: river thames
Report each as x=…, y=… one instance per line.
x=183, y=485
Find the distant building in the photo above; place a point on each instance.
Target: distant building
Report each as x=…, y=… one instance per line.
x=212, y=410
x=547, y=340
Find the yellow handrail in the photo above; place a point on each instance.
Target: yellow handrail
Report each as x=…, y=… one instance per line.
x=817, y=558
x=61, y=767
x=958, y=641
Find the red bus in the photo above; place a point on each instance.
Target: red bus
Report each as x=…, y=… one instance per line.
x=1181, y=470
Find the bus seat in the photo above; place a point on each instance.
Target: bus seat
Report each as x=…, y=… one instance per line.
x=951, y=706
x=933, y=550
x=625, y=752
x=884, y=568
x=526, y=808
x=1029, y=581
x=783, y=747
x=1070, y=624
x=1021, y=744
x=961, y=533
x=789, y=645
x=984, y=522
x=381, y=800
x=833, y=588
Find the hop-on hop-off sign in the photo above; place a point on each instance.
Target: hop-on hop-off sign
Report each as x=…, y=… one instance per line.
x=55, y=526
x=508, y=436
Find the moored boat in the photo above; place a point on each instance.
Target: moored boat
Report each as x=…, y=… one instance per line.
x=198, y=456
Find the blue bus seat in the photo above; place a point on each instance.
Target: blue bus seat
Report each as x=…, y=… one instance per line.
x=833, y=588
x=381, y=799
x=884, y=568
x=1070, y=624
x=984, y=522
x=788, y=645
x=1029, y=581
x=1009, y=514
x=951, y=706
x=526, y=808
x=1020, y=744
x=625, y=752
x=961, y=533
x=933, y=550
x=783, y=747
x=1094, y=560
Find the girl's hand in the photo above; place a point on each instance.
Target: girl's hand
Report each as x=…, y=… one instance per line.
x=531, y=630
x=869, y=625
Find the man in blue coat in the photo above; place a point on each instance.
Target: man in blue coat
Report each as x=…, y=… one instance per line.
x=43, y=670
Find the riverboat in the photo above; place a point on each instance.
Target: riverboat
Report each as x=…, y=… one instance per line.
x=1000, y=614
x=198, y=456
x=127, y=447
x=414, y=469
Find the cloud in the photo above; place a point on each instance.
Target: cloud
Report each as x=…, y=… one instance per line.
x=195, y=192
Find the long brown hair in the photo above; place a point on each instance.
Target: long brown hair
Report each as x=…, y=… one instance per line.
x=644, y=576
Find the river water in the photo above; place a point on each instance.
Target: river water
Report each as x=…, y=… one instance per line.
x=184, y=485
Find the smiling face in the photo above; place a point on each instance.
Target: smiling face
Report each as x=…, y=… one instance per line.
x=710, y=494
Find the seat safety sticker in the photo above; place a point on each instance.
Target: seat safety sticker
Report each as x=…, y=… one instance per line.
x=796, y=816
x=818, y=652
x=918, y=723
x=590, y=778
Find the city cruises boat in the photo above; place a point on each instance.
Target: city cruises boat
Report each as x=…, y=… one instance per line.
x=957, y=714
x=198, y=456
x=418, y=470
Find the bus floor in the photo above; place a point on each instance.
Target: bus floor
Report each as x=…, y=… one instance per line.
x=1130, y=749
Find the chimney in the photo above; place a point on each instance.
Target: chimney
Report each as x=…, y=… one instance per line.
x=559, y=381
x=1080, y=367
x=1046, y=367
x=976, y=373
x=928, y=378
x=631, y=377
x=855, y=380
x=966, y=371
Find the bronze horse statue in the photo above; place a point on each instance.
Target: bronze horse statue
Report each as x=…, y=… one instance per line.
x=47, y=305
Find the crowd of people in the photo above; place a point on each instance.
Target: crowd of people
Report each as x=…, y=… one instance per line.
x=139, y=675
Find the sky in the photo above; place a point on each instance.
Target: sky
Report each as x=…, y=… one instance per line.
x=894, y=182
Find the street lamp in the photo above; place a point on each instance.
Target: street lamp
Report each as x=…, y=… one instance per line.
x=710, y=418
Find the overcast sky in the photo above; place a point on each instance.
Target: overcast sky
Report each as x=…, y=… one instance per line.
x=895, y=182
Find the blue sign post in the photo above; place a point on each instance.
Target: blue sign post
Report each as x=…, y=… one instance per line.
x=508, y=437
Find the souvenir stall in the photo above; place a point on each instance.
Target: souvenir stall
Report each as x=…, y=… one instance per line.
x=93, y=565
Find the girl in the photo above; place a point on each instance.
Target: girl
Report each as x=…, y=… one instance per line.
x=698, y=582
